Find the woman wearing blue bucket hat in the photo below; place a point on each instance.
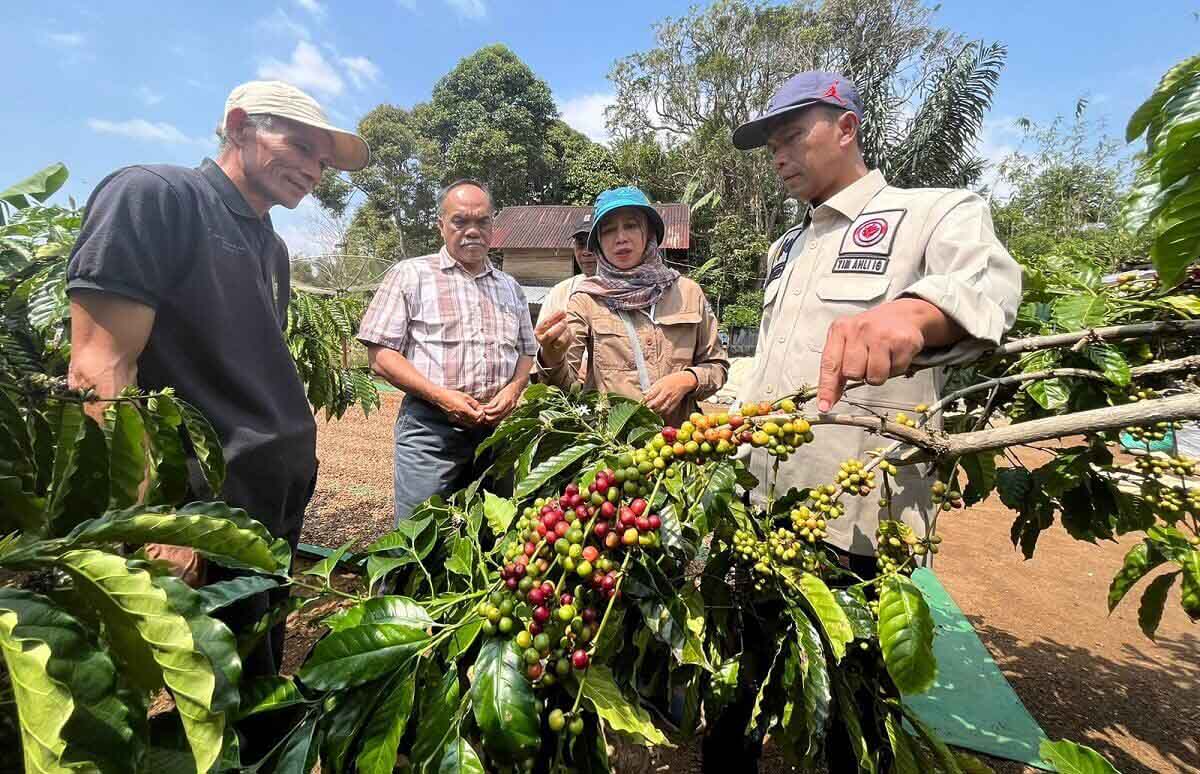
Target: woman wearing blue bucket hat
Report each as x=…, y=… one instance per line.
x=647, y=332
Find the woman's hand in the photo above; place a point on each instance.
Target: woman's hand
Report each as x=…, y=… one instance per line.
x=665, y=395
x=554, y=337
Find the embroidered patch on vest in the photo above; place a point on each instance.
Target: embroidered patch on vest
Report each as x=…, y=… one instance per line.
x=857, y=264
x=785, y=253
x=871, y=235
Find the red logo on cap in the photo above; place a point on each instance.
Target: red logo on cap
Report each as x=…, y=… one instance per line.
x=832, y=93
x=869, y=233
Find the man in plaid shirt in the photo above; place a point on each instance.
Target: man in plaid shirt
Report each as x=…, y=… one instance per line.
x=453, y=332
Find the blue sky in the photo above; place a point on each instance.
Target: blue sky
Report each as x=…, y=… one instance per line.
x=99, y=86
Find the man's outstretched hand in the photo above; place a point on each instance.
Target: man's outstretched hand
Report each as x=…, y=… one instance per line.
x=875, y=345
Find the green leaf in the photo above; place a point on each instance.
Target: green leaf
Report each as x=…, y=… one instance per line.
x=1064, y=472
x=1140, y=560
x=412, y=540
x=503, y=703
x=299, y=754
x=1070, y=758
x=664, y=611
x=38, y=187
x=1014, y=485
x=1076, y=312
x=620, y=414
x=460, y=758
x=43, y=703
x=346, y=713
x=499, y=512
x=600, y=689
x=140, y=622
x=825, y=607
x=1050, y=394
x=862, y=623
x=906, y=635
x=268, y=694
x=20, y=509
x=208, y=532
x=864, y=753
x=462, y=557
x=981, y=476
x=903, y=748
x=206, y=446
x=169, y=482
x=127, y=465
x=223, y=593
x=817, y=692
x=1191, y=584
x=209, y=636
x=1110, y=361
x=359, y=654
x=384, y=728
x=551, y=468
x=326, y=566
x=381, y=610
x=1187, y=306
x=439, y=700
x=1154, y=600
x=79, y=488
x=1167, y=87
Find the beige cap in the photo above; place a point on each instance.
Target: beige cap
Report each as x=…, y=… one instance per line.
x=350, y=152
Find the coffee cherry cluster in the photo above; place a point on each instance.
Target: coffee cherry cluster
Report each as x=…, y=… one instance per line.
x=1148, y=433
x=897, y=544
x=808, y=524
x=1164, y=485
x=904, y=419
x=853, y=478
x=781, y=548
x=575, y=538
x=944, y=497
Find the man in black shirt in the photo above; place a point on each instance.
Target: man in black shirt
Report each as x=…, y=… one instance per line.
x=178, y=279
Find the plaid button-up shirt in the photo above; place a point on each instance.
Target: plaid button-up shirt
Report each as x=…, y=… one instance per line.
x=461, y=332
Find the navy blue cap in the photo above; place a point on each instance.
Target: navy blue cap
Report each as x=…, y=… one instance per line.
x=583, y=225
x=812, y=87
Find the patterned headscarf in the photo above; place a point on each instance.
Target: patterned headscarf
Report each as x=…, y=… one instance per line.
x=629, y=289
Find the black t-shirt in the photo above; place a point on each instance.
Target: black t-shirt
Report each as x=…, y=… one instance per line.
x=185, y=242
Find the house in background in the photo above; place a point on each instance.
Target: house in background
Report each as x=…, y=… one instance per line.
x=533, y=244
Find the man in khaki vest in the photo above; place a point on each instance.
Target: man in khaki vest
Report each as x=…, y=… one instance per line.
x=874, y=280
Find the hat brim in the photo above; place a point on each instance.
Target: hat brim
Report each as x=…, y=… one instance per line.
x=350, y=152
x=753, y=133
x=652, y=215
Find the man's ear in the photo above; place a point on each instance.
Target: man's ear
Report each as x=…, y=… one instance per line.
x=235, y=124
x=849, y=124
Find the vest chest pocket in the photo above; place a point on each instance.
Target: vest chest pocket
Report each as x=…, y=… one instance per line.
x=679, y=333
x=836, y=297
x=611, y=350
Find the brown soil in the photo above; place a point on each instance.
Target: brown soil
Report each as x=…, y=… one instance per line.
x=1083, y=674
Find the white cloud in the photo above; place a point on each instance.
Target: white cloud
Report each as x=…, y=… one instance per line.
x=307, y=69
x=279, y=23
x=585, y=113
x=361, y=70
x=66, y=39
x=148, y=95
x=148, y=131
x=408, y=5
x=469, y=9
x=312, y=6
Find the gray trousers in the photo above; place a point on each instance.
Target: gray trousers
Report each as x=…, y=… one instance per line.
x=432, y=454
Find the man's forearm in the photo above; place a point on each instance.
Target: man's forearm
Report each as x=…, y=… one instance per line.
x=937, y=328
x=402, y=374
x=520, y=376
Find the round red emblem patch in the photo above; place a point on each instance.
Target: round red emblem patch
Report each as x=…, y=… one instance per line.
x=869, y=233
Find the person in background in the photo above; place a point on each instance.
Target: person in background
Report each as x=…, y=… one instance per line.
x=585, y=265
x=178, y=279
x=453, y=332
x=647, y=332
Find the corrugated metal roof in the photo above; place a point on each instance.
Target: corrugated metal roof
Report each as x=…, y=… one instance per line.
x=545, y=226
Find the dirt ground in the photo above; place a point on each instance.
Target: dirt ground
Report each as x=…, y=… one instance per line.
x=1084, y=675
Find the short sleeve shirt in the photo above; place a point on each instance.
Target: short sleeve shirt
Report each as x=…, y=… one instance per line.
x=186, y=243
x=459, y=331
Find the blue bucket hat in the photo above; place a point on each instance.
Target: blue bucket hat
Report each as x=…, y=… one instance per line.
x=615, y=199
x=812, y=87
